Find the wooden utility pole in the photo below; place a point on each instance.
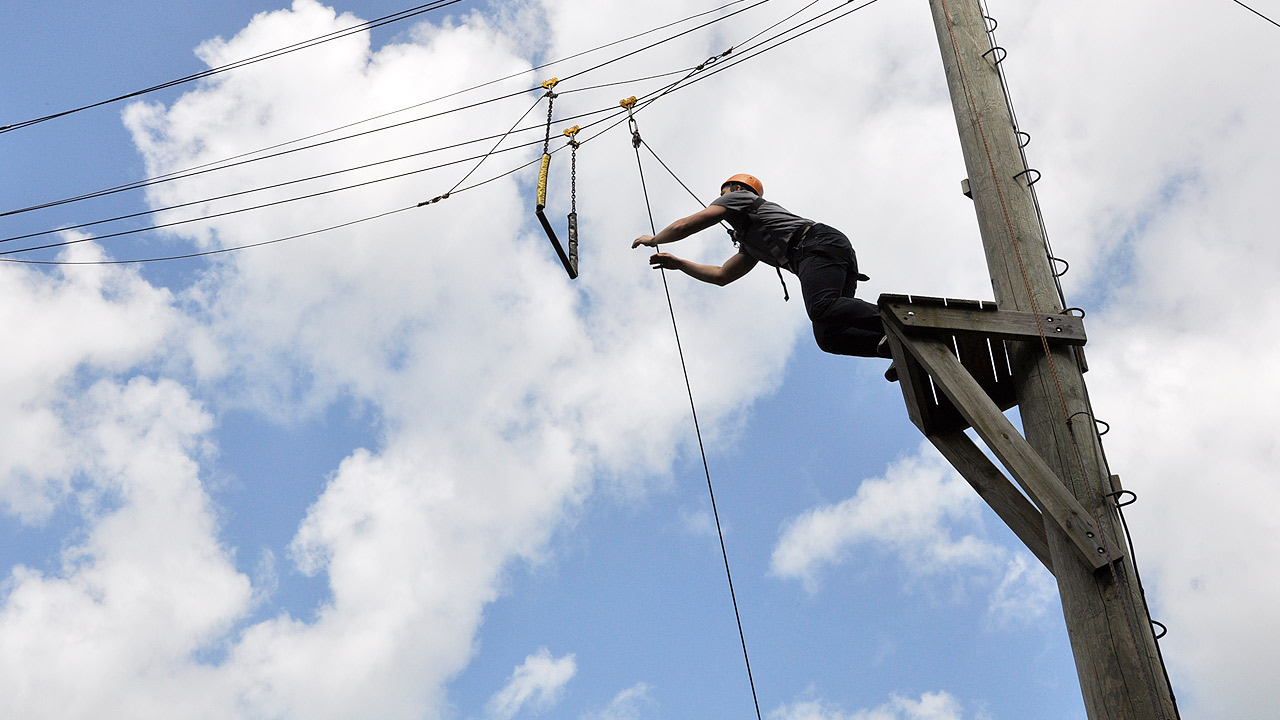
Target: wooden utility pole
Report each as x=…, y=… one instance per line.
x=962, y=363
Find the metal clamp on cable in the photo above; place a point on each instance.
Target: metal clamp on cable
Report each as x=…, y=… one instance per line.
x=630, y=104
x=713, y=60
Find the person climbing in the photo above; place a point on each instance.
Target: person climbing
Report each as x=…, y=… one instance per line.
x=818, y=254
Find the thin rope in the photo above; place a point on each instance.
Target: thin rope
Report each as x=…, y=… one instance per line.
x=252, y=245
x=270, y=54
x=206, y=253
x=245, y=158
x=619, y=115
x=222, y=163
x=797, y=12
x=724, y=553
x=1255, y=12
x=273, y=186
x=260, y=206
x=692, y=194
x=495, y=146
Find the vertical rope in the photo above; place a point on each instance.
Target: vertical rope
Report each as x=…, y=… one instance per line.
x=636, y=142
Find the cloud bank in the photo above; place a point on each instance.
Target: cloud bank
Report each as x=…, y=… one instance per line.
x=502, y=395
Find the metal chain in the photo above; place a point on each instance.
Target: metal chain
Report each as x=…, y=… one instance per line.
x=573, y=176
x=551, y=102
x=550, y=85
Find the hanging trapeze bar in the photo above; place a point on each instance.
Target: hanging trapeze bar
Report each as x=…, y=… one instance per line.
x=569, y=259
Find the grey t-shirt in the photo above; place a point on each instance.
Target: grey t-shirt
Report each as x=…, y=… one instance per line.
x=765, y=239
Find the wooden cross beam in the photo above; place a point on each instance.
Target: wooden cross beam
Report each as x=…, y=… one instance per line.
x=953, y=367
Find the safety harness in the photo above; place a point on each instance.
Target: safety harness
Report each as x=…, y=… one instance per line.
x=767, y=247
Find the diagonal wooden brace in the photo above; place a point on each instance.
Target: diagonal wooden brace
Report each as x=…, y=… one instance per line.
x=1035, y=477
x=1011, y=506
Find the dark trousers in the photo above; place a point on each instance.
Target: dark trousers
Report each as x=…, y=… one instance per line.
x=828, y=270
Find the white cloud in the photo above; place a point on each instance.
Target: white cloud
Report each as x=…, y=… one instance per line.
x=1025, y=593
x=505, y=394
x=1169, y=219
x=924, y=513
x=700, y=523
x=502, y=393
x=931, y=706
x=913, y=511
x=539, y=680
x=633, y=703
x=96, y=320
x=113, y=631
x=1192, y=417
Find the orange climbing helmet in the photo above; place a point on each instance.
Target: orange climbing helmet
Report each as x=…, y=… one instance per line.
x=750, y=181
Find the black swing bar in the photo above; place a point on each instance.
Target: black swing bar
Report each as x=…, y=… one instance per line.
x=570, y=259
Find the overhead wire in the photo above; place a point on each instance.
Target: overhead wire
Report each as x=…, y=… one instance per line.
x=759, y=49
x=697, y=75
x=650, y=46
x=196, y=202
x=228, y=162
x=737, y=56
x=237, y=211
x=1255, y=12
x=322, y=175
x=301, y=45
x=329, y=191
x=205, y=253
x=776, y=24
x=495, y=145
x=294, y=181
x=238, y=162
x=220, y=251
x=621, y=117
x=473, y=105
x=264, y=205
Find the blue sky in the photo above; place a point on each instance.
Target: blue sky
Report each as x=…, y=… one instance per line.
x=407, y=469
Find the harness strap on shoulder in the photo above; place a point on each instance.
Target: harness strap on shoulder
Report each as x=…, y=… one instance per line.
x=755, y=206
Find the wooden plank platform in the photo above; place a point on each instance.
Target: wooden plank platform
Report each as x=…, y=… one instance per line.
x=979, y=333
